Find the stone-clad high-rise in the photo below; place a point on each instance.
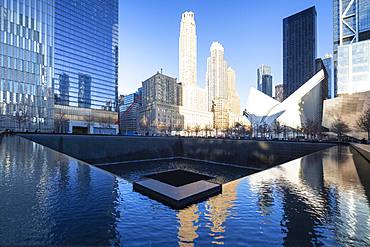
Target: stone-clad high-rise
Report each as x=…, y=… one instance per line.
x=223, y=99
x=194, y=98
x=216, y=77
x=188, y=50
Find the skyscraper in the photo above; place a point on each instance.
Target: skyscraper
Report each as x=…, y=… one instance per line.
x=299, y=49
x=279, y=92
x=86, y=63
x=232, y=93
x=26, y=65
x=353, y=74
x=328, y=64
x=351, y=23
x=161, y=99
x=223, y=99
x=188, y=50
x=264, y=79
x=216, y=77
x=194, y=106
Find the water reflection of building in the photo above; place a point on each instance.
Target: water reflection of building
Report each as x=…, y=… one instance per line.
x=341, y=176
x=320, y=190
x=188, y=219
x=217, y=210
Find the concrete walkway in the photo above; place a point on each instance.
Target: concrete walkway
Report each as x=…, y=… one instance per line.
x=363, y=149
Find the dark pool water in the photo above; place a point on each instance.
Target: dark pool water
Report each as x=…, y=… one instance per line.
x=134, y=171
x=50, y=198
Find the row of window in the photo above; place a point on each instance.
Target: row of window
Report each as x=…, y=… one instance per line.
x=19, y=64
x=23, y=88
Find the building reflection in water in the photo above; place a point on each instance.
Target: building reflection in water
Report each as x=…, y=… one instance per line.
x=54, y=196
x=341, y=176
x=188, y=219
x=317, y=191
x=217, y=210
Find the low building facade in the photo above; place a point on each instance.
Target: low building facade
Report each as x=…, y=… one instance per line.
x=128, y=113
x=77, y=120
x=160, y=110
x=348, y=108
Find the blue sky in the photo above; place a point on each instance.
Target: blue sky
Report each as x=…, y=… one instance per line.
x=249, y=30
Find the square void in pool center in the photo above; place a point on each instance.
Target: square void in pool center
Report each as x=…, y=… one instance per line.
x=178, y=178
x=177, y=188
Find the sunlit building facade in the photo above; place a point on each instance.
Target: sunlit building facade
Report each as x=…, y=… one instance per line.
x=305, y=104
x=26, y=65
x=223, y=99
x=233, y=96
x=194, y=107
x=160, y=109
x=353, y=68
x=216, y=77
x=348, y=108
x=128, y=113
x=351, y=24
x=188, y=50
x=86, y=58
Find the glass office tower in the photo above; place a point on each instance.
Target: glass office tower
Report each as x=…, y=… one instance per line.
x=86, y=40
x=264, y=79
x=352, y=26
x=299, y=49
x=26, y=64
x=86, y=60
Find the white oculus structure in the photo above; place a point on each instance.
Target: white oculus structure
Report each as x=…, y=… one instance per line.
x=304, y=104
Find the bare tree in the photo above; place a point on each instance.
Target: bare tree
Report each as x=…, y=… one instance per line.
x=340, y=128
x=207, y=129
x=60, y=122
x=364, y=122
x=285, y=132
x=188, y=130
x=277, y=128
x=308, y=128
x=20, y=117
x=89, y=119
x=197, y=129
x=178, y=129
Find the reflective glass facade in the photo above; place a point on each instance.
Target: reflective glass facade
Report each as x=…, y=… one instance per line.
x=26, y=64
x=328, y=63
x=264, y=80
x=361, y=12
x=299, y=49
x=354, y=68
x=86, y=53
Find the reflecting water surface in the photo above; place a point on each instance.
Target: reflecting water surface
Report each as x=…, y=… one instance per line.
x=50, y=198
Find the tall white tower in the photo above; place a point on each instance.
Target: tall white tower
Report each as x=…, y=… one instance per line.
x=216, y=77
x=188, y=50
